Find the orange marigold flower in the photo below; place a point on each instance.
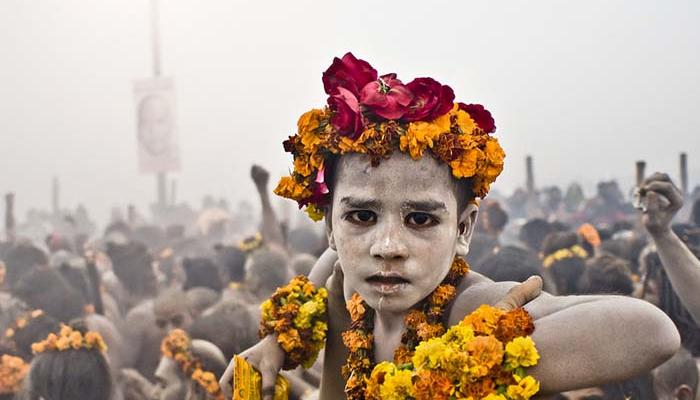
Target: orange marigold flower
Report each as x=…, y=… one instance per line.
x=356, y=308
x=484, y=353
x=402, y=355
x=513, y=324
x=12, y=373
x=484, y=319
x=432, y=385
x=289, y=340
x=467, y=164
x=288, y=187
x=356, y=339
x=428, y=331
x=443, y=294
x=414, y=318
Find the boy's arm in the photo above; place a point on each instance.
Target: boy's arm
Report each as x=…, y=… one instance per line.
x=585, y=341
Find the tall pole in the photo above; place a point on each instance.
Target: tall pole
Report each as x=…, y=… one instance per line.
x=155, y=41
x=173, y=192
x=641, y=166
x=530, y=178
x=684, y=173
x=55, y=196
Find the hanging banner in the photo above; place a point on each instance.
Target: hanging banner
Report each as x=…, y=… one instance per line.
x=156, y=125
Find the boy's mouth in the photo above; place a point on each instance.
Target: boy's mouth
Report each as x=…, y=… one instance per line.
x=387, y=283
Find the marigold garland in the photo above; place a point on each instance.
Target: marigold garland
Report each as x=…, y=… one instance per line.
x=177, y=346
x=297, y=314
x=12, y=373
x=70, y=339
x=482, y=357
x=423, y=322
x=575, y=251
x=374, y=115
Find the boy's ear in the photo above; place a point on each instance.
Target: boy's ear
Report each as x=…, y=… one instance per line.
x=467, y=223
x=329, y=230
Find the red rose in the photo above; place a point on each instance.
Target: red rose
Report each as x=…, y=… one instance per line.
x=348, y=72
x=347, y=118
x=481, y=116
x=430, y=99
x=387, y=97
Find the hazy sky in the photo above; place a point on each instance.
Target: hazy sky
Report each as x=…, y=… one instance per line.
x=586, y=87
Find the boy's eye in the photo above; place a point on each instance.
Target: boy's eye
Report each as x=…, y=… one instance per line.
x=422, y=220
x=361, y=217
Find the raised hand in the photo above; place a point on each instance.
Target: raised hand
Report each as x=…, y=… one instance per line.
x=663, y=200
x=259, y=175
x=267, y=357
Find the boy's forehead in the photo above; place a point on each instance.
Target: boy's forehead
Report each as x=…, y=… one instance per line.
x=398, y=179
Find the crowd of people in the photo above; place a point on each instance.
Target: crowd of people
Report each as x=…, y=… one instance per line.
x=187, y=285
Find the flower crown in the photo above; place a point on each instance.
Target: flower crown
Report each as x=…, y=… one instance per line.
x=12, y=373
x=70, y=339
x=177, y=346
x=375, y=115
x=575, y=251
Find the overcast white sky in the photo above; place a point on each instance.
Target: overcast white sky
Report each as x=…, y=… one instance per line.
x=586, y=87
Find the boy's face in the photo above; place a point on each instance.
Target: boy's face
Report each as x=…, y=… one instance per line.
x=395, y=228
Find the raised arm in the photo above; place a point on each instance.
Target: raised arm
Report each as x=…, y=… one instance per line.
x=585, y=341
x=271, y=228
x=663, y=200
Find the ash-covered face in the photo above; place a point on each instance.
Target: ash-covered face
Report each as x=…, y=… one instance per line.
x=395, y=228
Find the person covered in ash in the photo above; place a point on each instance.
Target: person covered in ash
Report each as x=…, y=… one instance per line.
x=395, y=170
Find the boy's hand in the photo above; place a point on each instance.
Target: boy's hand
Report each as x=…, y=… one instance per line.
x=521, y=294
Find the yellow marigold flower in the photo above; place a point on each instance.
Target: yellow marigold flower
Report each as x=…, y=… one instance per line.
x=65, y=330
x=76, y=340
x=319, y=331
x=526, y=388
x=306, y=311
x=521, y=352
x=308, y=124
x=94, y=340
x=21, y=323
x=495, y=156
x=288, y=187
x=266, y=309
x=397, y=386
x=9, y=333
x=464, y=121
x=63, y=343
x=38, y=347
x=433, y=353
x=289, y=340
x=483, y=320
x=459, y=335
x=419, y=136
x=315, y=213
x=467, y=164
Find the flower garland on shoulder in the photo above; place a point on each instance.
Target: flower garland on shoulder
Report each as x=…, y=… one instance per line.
x=177, y=346
x=70, y=339
x=376, y=115
x=13, y=370
x=482, y=357
x=297, y=313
